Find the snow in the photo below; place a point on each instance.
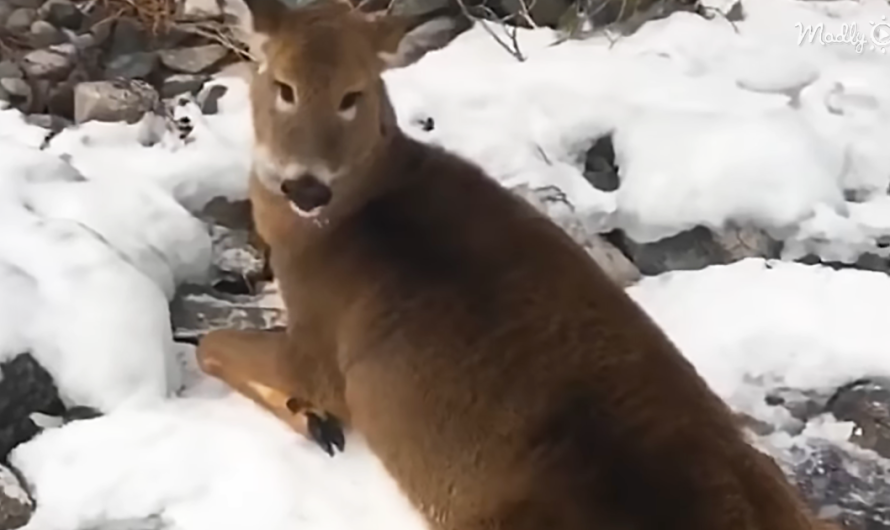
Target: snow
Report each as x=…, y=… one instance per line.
x=710, y=127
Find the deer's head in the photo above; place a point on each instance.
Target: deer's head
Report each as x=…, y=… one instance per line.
x=320, y=108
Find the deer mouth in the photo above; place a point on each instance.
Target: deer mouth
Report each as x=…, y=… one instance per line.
x=307, y=194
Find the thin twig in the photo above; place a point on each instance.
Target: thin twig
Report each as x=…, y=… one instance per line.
x=514, y=51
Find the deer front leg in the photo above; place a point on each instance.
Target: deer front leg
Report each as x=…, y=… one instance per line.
x=264, y=367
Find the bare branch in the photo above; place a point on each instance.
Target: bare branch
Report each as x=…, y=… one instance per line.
x=510, y=31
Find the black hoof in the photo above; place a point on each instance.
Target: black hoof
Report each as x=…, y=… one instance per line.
x=327, y=432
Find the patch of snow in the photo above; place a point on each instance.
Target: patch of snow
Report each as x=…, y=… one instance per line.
x=757, y=325
x=213, y=162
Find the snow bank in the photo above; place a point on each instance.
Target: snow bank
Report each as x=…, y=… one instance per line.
x=88, y=267
x=758, y=325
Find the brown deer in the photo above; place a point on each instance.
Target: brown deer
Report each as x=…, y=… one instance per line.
x=501, y=377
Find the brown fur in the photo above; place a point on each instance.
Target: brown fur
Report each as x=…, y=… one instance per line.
x=500, y=376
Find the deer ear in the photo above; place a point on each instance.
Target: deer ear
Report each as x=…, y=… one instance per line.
x=402, y=39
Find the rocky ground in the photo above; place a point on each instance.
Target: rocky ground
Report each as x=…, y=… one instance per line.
x=64, y=62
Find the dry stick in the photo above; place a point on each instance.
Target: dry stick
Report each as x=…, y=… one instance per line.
x=515, y=52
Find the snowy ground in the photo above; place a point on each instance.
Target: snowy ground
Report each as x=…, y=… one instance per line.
x=709, y=126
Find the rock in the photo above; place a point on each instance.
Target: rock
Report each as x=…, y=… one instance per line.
x=5, y=10
x=196, y=310
x=30, y=4
x=16, y=506
x=849, y=489
x=696, y=248
x=62, y=14
x=201, y=9
x=127, y=36
x=10, y=69
x=53, y=63
x=607, y=256
x=235, y=215
x=60, y=99
x=116, y=100
x=177, y=84
x=43, y=34
x=48, y=121
x=20, y=20
x=867, y=404
x=194, y=59
x=803, y=405
x=599, y=165
x=235, y=257
x=18, y=90
x=208, y=99
x=82, y=41
x=138, y=65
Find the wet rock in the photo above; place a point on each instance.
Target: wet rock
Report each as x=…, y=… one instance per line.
x=696, y=248
x=194, y=59
x=177, y=84
x=235, y=257
x=62, y=14
x=116, y=100
x=196, y=310
x=16, y=506
x=53, y=63
x=20, y=20
x=137, y=65
x=43, y=34
x=5, y=10
x=866, y=403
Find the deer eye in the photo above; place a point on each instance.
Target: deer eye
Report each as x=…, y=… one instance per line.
x=349, y=100
x=285, y=92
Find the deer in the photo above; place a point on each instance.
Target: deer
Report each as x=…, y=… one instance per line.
x=500, y=376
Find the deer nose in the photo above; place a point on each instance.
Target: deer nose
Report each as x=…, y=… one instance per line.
x=307, y=192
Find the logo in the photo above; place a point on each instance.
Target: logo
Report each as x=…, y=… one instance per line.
x=875, y=38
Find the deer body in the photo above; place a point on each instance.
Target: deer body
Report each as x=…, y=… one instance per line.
x=497, y=372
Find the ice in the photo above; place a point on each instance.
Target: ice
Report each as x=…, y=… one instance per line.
x=713, y=123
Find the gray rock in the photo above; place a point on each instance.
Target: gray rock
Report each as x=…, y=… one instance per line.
x=117, y=100
x=5, y=10
x=30, y=4
x=10, y=69
x=62, y=14
x=850, y=489
x=48, y=121
x=16, y=506
x=867, y=404
x=43, y=34
x=53, y=63
x=138, y=65
x=696, y=249
x=128, y=36
x=542, y=12
x=234, y=215
x=81, y=41
x=547, y=200
x=196, y=310
x=208, y=99
x=599, y=165
x=194, y=59
x=177, y=84
x=16, y=87
x=20, y=20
